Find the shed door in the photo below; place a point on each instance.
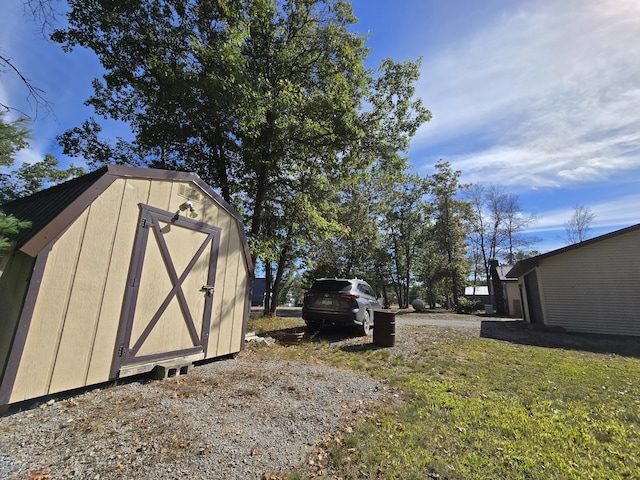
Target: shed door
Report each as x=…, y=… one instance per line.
x=167, y=307
x=534, y=300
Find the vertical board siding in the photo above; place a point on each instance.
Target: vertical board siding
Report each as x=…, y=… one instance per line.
x=213, y=215
x=41, y=345
x=222, y=303
x=594, y=289
x=14, y=281
x=87, y=293
x=239, y=290
x=132, y=191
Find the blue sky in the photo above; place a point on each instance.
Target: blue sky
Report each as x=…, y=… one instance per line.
x=541, y=97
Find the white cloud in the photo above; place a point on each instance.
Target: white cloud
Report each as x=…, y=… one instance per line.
x=547, y=95
x=611, y=215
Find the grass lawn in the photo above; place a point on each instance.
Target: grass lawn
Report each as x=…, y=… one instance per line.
x=486, y=409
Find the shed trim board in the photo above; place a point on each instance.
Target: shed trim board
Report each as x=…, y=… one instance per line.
x=56, y=210
x=20, y=337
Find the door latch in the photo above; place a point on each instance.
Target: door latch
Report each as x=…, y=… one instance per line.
x=208, y=288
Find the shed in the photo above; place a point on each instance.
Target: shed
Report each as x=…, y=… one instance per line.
x=122, y=270
x=590, y=287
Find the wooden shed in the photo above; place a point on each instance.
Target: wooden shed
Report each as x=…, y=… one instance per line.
x=590, y=287
x=122, y=270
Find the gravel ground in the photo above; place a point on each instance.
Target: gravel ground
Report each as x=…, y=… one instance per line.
x=230, y=419
x=243, y=418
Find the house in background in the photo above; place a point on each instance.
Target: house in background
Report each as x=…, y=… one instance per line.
x=478, y=294
x=590, y=287
x=505, y=290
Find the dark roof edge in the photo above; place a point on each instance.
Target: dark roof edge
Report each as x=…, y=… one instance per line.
x=40, y=239
x=524, y=266
x=104, y=177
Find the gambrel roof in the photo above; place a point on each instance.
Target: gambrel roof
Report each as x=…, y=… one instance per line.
x=52, y=210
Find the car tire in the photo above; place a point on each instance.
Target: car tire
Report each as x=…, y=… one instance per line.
x=313, y=327
x=367, y=323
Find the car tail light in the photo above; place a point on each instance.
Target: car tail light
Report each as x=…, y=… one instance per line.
x=348, y=295
x=310, y=294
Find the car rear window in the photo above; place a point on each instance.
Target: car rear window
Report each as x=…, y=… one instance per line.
x=330, y=286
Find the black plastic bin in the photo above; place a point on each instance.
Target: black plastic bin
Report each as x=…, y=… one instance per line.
x=384, y=328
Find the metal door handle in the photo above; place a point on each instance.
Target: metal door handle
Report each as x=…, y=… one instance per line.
x=208, y=288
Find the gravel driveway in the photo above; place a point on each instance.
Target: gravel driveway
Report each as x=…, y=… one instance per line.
x=233, y=419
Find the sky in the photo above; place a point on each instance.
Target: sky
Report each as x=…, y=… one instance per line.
x=539, y=97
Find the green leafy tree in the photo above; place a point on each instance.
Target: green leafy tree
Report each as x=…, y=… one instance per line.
x=262, y=98
x=431, y=268
x=31, y=178
x=451, y=215
x=9, y=225
x=14, y=136
x=404, y=221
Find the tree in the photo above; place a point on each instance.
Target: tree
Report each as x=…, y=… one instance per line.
x=496, y=226
x=262, y=98
x=404, y=219
x=14, y=136
x=44, y=14
x=31, y=178
x=578, y=226
x=451, y=215
x=34, y=93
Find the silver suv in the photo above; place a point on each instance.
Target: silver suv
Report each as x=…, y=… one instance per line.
x=340, y=301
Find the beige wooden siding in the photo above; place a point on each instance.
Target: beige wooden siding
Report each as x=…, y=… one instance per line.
x=14, y=280
x=87, y=292
x=41, y=345
x=71, y=341
x=594, y=288
x=222, y=316
x=134, y=191
x=240, y=292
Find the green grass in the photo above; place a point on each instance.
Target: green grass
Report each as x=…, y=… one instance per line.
x=481, y=408
x=264, y=325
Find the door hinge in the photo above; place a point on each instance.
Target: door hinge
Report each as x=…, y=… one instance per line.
x=144, y=223
x=122, y=351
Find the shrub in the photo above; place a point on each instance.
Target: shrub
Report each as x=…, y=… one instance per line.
x=465, y=305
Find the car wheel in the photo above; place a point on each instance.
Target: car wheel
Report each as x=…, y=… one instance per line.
x=366, y=323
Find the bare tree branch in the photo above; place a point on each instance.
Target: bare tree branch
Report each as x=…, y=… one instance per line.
x=35, y=94
x=578, y=226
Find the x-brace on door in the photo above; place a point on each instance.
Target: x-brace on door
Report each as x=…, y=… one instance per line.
x=167, y=306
